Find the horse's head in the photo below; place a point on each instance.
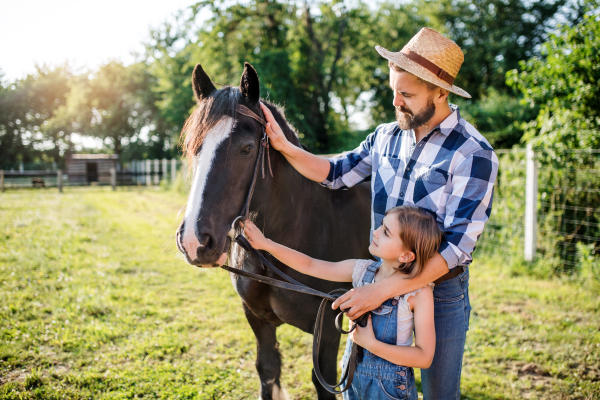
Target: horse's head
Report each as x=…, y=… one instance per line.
x=222, y=148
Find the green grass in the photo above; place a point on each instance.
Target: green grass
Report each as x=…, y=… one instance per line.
x=95, y=303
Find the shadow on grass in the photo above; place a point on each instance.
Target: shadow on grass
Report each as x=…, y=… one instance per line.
x=466, y=396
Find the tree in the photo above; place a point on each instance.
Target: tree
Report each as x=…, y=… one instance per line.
x=565, y=83
x=315, y=59
x=26, y=105
x=495, y=36
x=110, y=104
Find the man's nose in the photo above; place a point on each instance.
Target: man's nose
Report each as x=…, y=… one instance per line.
x=397, y=101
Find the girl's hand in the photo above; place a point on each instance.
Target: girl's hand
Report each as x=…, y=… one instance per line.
x=364, y=337
x=276, y=137
x=255, y=236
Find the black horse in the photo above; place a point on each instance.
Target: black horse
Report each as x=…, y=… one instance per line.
x=332, y=225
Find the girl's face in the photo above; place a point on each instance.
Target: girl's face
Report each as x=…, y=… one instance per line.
x=387, y=244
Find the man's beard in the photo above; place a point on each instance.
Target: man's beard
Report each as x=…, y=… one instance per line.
x=406, y=120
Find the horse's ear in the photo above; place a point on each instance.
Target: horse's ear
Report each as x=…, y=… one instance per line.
x=249, y=85
x=201, y=84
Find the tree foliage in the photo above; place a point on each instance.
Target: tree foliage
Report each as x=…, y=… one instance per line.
x=565, y=83
x=494, y=35
x=25, y=108
x=317, y=59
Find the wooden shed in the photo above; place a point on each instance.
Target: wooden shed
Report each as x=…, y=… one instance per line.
x=83, y=169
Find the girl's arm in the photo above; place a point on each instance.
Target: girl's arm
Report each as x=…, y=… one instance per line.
x=331, y=271
x=418, y=356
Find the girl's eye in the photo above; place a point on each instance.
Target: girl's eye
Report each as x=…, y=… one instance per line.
x=247, y=150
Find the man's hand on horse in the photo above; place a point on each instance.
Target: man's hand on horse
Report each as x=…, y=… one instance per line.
x=359, y=300
x=277, y=139
x=255, y=236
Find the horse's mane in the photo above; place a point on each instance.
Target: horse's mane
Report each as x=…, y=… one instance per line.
x=222, y=103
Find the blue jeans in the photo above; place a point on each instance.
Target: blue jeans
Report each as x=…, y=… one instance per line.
x=452, y=310
x=376, y=378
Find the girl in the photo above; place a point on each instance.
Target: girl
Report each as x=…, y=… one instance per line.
x=404, y=242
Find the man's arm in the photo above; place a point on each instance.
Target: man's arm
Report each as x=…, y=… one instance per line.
x=468, y=208
x=369, y=297
x=336, y=173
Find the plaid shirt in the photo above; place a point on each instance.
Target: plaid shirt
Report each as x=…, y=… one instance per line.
x=450, y=172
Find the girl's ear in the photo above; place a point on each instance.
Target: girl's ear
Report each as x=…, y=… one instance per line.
x=406, y=257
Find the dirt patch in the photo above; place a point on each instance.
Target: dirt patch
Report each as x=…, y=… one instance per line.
x=17, y=375
x=533, y=370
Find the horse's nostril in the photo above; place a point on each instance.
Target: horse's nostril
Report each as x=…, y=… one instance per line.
x=205, y=240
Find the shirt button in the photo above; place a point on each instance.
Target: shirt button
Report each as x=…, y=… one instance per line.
x=402, y=387
x=402, y=373
x=378, y=309
x=401, y=194
x=407, y=169
x=395, y=303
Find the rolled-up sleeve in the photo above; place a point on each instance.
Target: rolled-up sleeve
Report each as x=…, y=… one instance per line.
x=352, y=167
x=469, y=206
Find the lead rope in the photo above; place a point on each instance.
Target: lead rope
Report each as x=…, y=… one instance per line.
x=292, y=284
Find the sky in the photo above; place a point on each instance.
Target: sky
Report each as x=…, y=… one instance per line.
x=85, y=33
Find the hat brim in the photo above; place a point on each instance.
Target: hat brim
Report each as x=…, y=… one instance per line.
x=409, y=65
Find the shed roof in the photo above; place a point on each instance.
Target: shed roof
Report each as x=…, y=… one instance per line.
x=95, y=156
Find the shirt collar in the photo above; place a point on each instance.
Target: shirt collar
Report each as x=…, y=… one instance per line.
x=448, y=125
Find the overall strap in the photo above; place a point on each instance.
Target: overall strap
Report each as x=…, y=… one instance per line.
x=370, y=272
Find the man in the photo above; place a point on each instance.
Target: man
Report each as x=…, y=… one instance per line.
x=434, y=159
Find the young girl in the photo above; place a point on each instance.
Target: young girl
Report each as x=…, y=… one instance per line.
x=404, y=242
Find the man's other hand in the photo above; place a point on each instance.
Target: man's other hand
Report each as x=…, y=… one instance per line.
x=359, y=300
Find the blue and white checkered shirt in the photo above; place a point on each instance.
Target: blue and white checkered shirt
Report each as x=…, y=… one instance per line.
x=450, y=172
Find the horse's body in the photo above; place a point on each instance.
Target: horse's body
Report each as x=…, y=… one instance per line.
x=291, y=210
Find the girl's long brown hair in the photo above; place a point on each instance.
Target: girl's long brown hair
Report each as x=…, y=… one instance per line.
x=420, y=234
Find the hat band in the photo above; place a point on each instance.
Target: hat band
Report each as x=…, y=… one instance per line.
x=425, y=63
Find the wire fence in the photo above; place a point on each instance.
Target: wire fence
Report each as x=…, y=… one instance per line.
x=504, y=233
x=567, y=206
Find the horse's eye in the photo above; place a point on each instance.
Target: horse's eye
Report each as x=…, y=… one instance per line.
x=247, y=150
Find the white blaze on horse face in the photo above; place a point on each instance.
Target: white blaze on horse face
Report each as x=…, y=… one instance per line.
x=203, y=164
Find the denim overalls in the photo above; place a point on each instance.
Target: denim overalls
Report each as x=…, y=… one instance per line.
x=376, y=378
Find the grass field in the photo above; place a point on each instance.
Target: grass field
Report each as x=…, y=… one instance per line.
x=95, y=303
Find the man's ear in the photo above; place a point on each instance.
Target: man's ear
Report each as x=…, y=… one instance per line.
x=406, y=257
x=440, y=95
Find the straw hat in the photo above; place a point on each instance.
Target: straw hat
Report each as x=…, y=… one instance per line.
x=432, y=57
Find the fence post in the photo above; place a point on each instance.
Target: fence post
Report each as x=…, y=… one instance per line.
x=2, y=180
x=164, y=169
x=531, y=195
x=113, y=178
x=59, y=179
x=173, y=170
x=156, y=167
x=148, y=178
